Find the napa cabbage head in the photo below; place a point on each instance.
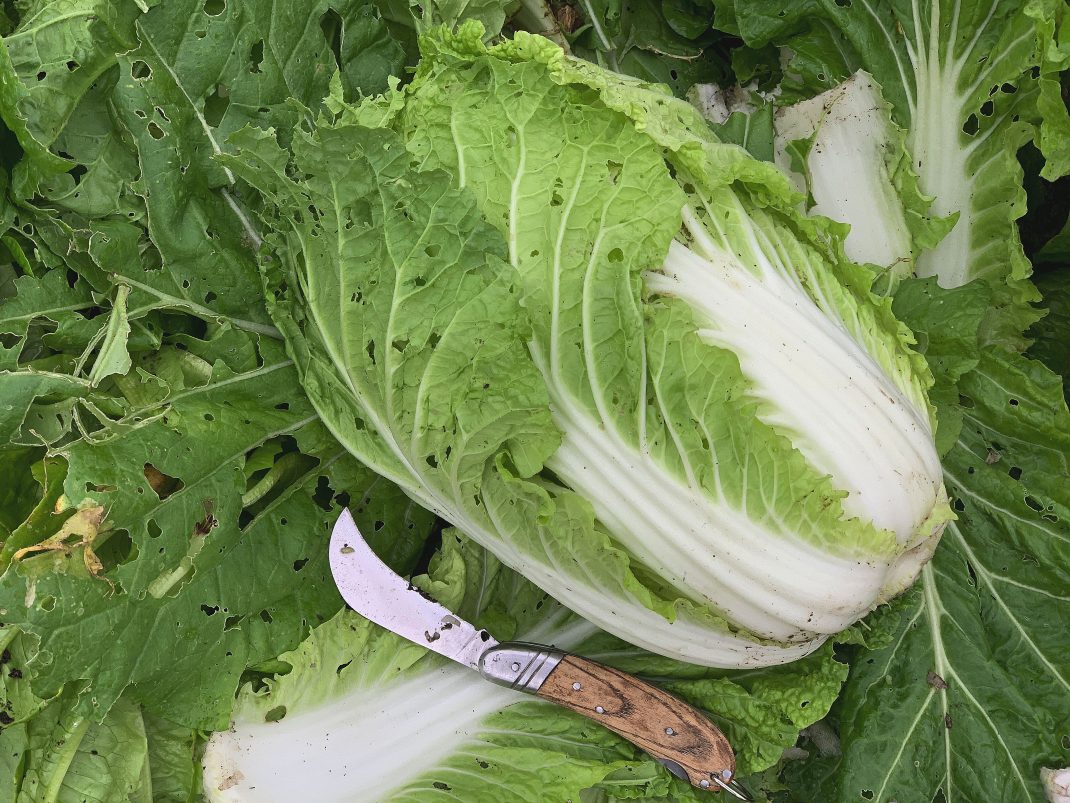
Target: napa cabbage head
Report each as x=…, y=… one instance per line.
x=548, y=303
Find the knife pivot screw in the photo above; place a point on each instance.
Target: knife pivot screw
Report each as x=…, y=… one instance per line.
x=670, y=732
x=516, y=666
x=599, y=709
x=576, y=686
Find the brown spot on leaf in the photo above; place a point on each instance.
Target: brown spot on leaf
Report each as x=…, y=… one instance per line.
x=936, y=681
x=208, y=523
x=568, y=18
x=80, y=531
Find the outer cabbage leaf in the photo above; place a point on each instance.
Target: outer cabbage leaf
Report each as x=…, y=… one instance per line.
x=18, y=496
x=669, y=43
x=128, y=757
x=200, y=72
x=38, y=394
x=47, y=64
x=946, y=324
x=1053, y=135
x=70, y=758
x=172, y=500
x=491, y=14
x=25, y=421
x=843, y=149
x=1055, y=250
x=1051, y=334
x=334, y=714
x=972, y=696
x=751, y=130
x=93, y=589
x=50, y=752
x=962, y=78
x=104, y=166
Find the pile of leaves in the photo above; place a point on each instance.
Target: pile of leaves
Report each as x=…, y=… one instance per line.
x=167, y=489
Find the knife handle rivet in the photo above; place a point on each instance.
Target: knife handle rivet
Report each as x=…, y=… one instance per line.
x=599, y=709
x=670, y=732
x=516, y=666
x=576, y=686
x=704, y=784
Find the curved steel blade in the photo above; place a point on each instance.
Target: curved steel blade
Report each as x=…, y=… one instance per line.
x=376, y=592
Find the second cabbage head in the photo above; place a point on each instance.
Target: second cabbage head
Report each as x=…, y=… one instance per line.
x=544, y=300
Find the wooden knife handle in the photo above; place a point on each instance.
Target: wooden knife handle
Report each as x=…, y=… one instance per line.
x=663, y=725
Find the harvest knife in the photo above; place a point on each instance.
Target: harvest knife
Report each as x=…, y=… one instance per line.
x=688, y=744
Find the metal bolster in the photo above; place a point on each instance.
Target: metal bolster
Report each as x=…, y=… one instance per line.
x=519, y=666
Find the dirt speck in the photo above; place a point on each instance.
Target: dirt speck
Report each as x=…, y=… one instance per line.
x=421, y=592
x=231, y=780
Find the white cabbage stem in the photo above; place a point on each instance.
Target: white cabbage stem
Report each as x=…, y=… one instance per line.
x=851, y=159
x=365, y=744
